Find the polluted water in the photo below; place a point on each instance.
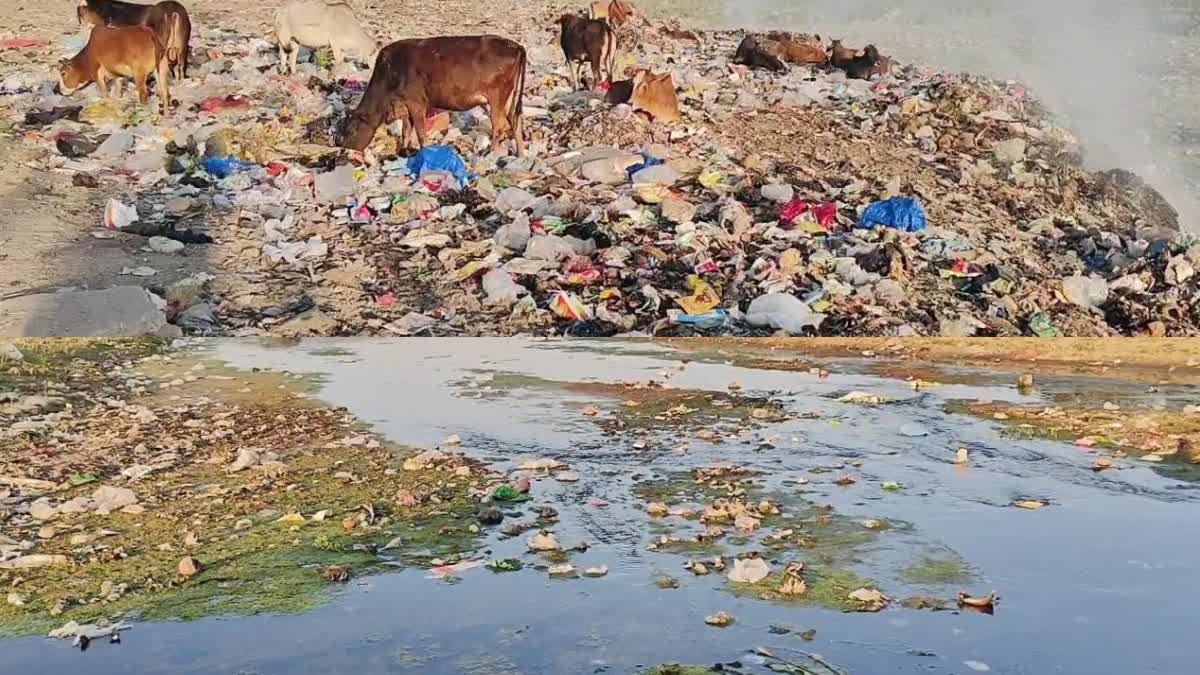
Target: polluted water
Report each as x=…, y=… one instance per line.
x=711, y=505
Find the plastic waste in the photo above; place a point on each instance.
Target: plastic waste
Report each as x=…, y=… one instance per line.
x=707, y=321
x=902, y=213
x=216, y=104
x=703, y=298
x=334, y=186
x=646, y=163
x=783, y=312
x=1085, y=292
x=501, y=289
x=515, y=235
x=440, y=158
x=567, y=306
x=164, y=245
x=548, y=247
x=514, y=199
x=224, y=167
x=116, y=144
x=118, y=216
x=297, y=251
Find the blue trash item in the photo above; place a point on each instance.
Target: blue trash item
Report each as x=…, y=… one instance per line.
x=902, y=213
x=224, y=167
x=440, y=158
x=714, y=319
x=649, y=162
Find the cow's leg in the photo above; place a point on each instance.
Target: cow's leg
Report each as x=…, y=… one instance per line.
x=118, y=87
x=143, y=92
x=416, y=118
x=338, y=54
x=596, y=73
x=518, y=131
x=164, y=90
x=102, y=82
x=293, y=56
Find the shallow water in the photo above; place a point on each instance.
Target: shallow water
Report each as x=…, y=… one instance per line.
x=1110, y=563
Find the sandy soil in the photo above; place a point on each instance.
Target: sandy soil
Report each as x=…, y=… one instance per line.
x=1136, y=359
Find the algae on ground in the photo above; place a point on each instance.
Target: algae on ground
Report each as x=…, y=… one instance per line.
x=679, y=669
x=938, y=572
x=125, y=564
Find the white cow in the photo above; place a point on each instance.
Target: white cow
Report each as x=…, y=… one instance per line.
x=318, y=23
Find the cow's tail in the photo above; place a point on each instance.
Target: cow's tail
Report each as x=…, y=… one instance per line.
x=175, y=44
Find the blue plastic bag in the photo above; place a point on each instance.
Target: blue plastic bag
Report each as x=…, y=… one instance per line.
x=649, y=162
x=223, y=167
x=902, y=213
x=440, y=158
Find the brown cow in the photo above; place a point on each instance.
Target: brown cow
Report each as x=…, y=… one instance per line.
x=649, y=93
x=591, y=41
x=804, y=50
x=753, y=53
x=448, y=73
x=132, y=52
x=841, y=56
x=168, y=19
x=884, y=67
x=616, y=12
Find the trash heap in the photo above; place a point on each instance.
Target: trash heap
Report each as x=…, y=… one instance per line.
x=918, y=203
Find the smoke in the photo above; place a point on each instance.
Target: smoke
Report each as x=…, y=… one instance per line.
x=1100, y=65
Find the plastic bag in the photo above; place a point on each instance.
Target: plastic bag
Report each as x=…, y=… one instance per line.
x=783, y=312
x=902, y=213
x=118, y=216
x=224, y=167
x=440, y=158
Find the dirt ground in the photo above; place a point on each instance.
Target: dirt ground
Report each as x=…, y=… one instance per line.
x=1135, y=359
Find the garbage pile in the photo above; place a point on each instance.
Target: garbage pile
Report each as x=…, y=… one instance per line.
x=915, y=203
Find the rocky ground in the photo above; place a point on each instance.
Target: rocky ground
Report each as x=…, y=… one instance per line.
x=760, y=198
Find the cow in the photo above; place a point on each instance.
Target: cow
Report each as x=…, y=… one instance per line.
x=804, y=50
x=317, y=23
x=884, y=67
x=585, y=40
x=863, y=66
x=449, y=73
x=615, y=12
x=131, y=52
x=168, y=19
x=649, y=93
x=753, y=53
x=840, y=56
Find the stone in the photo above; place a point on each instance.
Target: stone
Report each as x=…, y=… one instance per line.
x=117, y=311
x=780, y=193
x=42, y=509
x=189, y=567
x=108, y=498
x=677, y=210
x=1010, y=151
x=9, y=352
x=164, y=245
x=312, y=322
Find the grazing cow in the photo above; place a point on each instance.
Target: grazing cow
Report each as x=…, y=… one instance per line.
x=616, y=12
x=840, y=56
x=862, y=67
x=649, y=93
x=131, y=52
x=168, y=19
x=317, y=23
x=751, y=52
x=449, y=73
x=586, y=40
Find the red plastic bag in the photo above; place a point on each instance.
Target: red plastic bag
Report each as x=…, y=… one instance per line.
x=214, y=104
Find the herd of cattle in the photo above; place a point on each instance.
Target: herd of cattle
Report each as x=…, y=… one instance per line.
x=411, y=77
